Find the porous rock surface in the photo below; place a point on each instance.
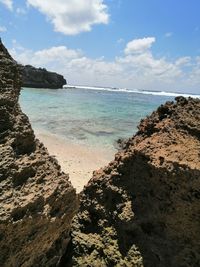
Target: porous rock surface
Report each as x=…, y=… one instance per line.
x=41, y=78
x=37, y=202
x=143, y=209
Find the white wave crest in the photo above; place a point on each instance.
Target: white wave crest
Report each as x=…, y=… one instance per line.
x=136, y=91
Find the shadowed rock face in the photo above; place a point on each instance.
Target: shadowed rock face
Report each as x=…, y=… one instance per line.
x=37, y=200
x=144, y=208
x=41, y=78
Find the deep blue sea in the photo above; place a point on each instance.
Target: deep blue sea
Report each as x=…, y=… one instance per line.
x=91, y=116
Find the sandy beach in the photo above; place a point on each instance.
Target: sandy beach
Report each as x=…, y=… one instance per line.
x=76, y=159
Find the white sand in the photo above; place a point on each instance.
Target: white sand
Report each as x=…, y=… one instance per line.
x=78, y=160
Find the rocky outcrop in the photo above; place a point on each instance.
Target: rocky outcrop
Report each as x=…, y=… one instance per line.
x=41, y=78
x=143, y=209
x=37, y=200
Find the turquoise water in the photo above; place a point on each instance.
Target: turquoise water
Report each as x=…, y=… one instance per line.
x=91, y=117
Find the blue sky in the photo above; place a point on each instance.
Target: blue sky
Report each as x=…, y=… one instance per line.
x=140, y=44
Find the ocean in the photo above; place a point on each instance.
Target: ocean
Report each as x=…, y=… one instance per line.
x=93, y=116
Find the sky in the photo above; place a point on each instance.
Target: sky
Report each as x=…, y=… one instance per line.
x=134, y=44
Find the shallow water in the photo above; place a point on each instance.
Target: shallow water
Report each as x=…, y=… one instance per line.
x=91, y=117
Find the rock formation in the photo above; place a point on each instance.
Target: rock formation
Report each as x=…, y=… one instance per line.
x=37, y=200
x=143, y=209
x=41, y=78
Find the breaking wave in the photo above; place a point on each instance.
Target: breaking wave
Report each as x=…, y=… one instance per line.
x=136, y=91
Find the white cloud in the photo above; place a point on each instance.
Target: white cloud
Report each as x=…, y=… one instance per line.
x=72, y=16
x=54, y=56
x=137, y=70
x=3, y=29
x=7, y=3
x=183, y=61
x=139, y=45
x=194, y=75
x=147, y=65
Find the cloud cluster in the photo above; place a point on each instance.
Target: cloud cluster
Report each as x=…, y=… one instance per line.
x=7, y=3
x=139, y=45
x=72, y=16
x=69, y=17
x=137, y=68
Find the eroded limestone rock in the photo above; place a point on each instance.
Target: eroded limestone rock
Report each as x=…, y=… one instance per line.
x=143, y=209
x=37, y=201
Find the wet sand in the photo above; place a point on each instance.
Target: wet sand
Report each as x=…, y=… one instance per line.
x=76, y=159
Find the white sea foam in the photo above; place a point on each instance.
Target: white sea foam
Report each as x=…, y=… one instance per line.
x=136, y=91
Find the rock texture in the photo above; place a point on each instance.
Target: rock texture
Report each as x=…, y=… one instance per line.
x=37, y=200
x=41, y=78
x=143, y=209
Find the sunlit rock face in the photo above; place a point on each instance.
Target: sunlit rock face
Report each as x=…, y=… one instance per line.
x=143, y=209
x=37, y=199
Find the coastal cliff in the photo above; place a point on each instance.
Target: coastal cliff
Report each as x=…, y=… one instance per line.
x=41, y=78
x=143, y=209
x=37, y=199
